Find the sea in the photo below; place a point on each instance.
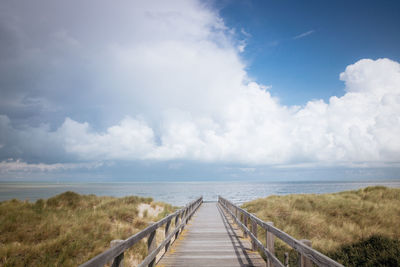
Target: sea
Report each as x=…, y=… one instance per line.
x=181, y=193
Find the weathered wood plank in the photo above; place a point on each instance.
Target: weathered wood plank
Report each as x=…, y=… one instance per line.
x=210, y=239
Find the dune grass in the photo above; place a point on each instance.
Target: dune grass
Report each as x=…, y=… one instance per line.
x=336, y=222
x=69, y=229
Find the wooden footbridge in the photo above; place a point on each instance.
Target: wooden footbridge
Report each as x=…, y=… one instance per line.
x=211, y=234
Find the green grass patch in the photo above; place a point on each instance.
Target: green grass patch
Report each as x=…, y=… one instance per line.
x=373, y=251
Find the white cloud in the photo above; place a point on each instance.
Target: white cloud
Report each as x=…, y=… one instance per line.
x=245, y=33
x=241, y=46
x=253, y=128
x=304, y=34
x=130, y=139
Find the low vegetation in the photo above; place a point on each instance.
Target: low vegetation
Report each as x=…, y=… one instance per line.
x=69, y=229
x=356, y=228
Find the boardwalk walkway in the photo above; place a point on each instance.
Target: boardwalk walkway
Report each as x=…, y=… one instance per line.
x=210, y=240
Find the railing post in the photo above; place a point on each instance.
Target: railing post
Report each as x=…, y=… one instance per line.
x=245, y=223
x=254, y=231
x=183, y=219
x=187, y=216
x=151, y=245
x=286, y=259
x=176, y=225
x=304, y=261
x=190, y=211
x=119, y=260
x=270, y=242
x=166, y=232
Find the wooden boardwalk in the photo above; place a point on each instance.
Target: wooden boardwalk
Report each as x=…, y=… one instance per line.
x=207, y=236
x=211, y=239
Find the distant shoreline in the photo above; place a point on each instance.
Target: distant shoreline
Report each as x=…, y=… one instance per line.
x=179, y=193
x=204, y=181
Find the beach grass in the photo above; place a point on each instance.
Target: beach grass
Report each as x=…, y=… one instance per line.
x=69, y=229
x=356, y=228
x=359, y=223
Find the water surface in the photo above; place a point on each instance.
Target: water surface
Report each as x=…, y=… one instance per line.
x=180, y=193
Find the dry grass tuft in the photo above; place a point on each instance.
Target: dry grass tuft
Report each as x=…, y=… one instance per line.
x=333, y=221
x=69, y=229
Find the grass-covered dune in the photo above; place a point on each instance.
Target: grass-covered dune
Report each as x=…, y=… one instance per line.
x=69, y=229
x=356, y=228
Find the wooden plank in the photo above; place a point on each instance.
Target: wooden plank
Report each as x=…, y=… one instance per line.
x=210, y=239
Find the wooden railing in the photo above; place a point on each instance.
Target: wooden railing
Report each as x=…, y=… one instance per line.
x=115, y=254
x=243, y=218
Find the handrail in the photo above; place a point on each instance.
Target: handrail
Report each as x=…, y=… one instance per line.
x=116, y=252
x=305, y=251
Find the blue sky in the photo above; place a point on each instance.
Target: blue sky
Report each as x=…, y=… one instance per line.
x=199, y=90
x=341, y=33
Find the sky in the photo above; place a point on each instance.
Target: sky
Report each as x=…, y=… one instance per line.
x=199, y=90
